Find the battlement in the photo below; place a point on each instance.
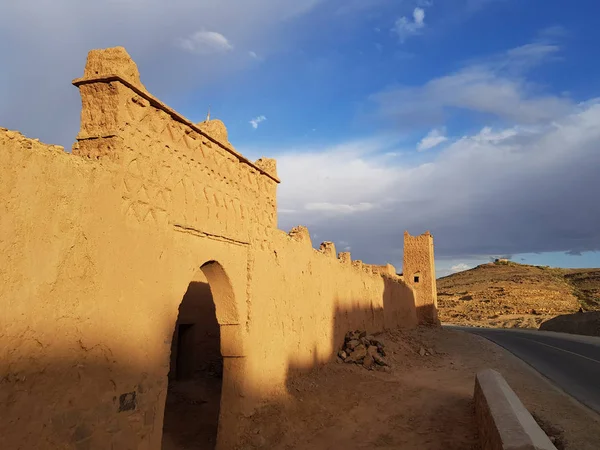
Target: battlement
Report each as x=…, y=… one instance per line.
x=115, y=65
x=327, y=249
x=176, y=171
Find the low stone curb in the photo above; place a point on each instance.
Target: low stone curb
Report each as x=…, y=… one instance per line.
x=503, y=421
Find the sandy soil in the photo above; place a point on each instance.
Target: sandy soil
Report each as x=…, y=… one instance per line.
x=424, y=402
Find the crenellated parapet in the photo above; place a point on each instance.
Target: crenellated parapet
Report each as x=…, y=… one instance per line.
x=328, y=248
x=17, y=139
x=301, y=235
x=174, y=171
x=387, y=269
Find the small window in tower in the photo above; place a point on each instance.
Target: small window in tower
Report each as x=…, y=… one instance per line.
x=416, y=278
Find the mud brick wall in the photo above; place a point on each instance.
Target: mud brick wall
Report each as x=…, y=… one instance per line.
x=98, y=247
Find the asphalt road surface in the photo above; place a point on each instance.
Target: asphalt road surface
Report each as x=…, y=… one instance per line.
x=571, y=362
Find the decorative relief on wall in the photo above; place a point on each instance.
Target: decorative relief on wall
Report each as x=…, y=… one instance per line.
x=173, y=171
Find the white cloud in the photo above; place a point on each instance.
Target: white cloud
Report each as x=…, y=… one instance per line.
x=419, y=16
x=555, y=31
x=461, y=267
x=496, y=87
x=530, y=55
x=496, y=191
x=256, y=121
x=253, y=55
x=405, y=27
x=45, y=105
x=434, y=138
x=346, y=179
x=205, y=42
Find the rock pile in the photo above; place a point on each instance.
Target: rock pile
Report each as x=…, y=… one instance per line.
x=364, y=349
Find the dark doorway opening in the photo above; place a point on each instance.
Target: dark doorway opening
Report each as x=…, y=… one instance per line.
x=184, y=333
x=194, y=394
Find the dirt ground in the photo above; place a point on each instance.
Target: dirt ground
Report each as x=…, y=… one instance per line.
x=192, y=414
x=424, y=402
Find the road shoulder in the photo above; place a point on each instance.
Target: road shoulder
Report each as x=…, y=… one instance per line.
x=592, y=340
x=578, y=426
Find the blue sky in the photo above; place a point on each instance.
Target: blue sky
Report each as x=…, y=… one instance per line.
x=476, y=119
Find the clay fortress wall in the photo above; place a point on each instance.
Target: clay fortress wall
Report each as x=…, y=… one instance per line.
x=99, y=246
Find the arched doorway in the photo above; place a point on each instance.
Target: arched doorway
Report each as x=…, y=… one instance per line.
x=192, y=407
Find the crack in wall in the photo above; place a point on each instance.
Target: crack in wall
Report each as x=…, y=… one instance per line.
x=194, y=232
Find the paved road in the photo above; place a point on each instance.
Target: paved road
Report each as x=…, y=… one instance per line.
x=572, y=362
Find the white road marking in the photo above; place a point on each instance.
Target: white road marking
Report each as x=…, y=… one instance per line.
x=558, y=348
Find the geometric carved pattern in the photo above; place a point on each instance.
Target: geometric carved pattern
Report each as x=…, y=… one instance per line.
x=176, y=174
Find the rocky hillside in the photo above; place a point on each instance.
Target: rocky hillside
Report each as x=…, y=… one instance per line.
x=509, y=295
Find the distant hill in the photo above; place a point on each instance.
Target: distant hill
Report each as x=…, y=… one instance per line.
x=505, y=294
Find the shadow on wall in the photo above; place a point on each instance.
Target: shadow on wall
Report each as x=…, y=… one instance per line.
x=342, y=407
x=396, y=310
x=89, y=397
x=268, y=425
x=395, y=314
x=86, y=397
x=98, y=413
x=192, y=406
